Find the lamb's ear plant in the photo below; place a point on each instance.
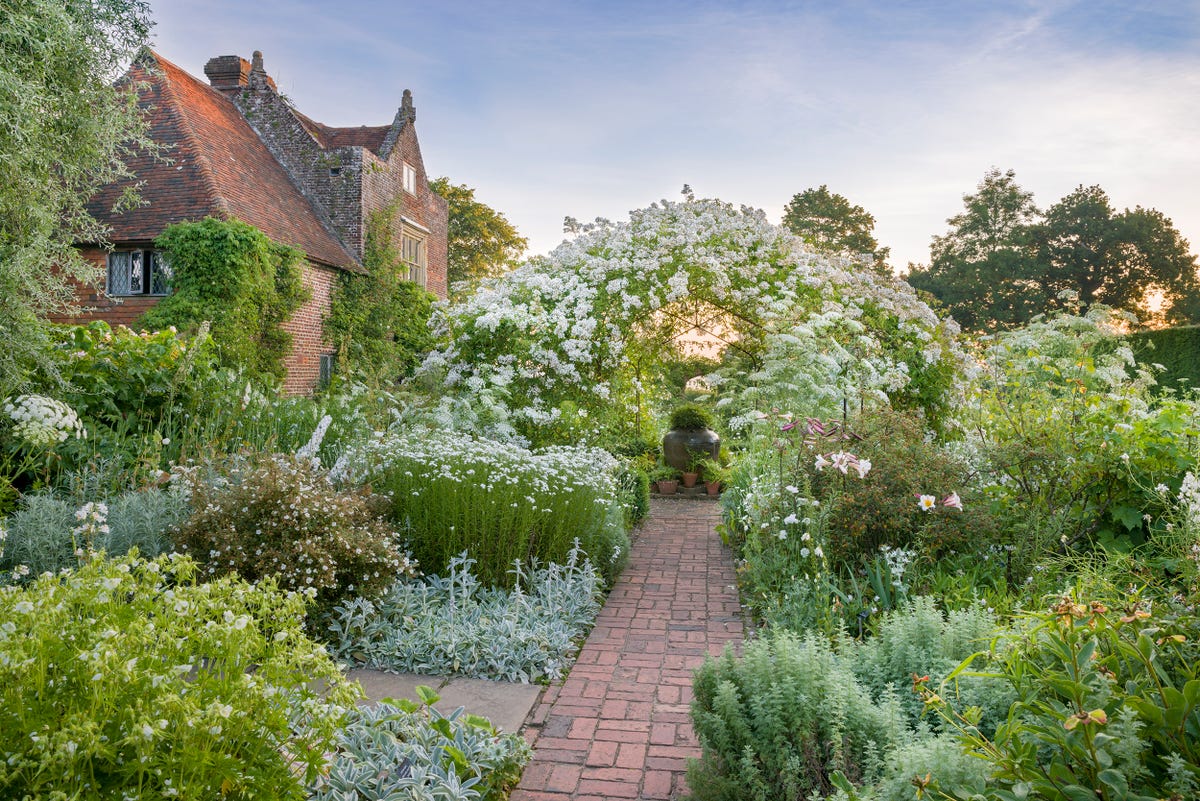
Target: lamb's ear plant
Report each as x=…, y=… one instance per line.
x=454, y=624
x=403, y=749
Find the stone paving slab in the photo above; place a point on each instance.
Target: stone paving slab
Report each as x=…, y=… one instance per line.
x=618, y=727
x=505, y=704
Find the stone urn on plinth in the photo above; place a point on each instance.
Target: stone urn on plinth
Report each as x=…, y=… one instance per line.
x=691, y=434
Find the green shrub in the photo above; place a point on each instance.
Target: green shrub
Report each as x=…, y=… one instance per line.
x=1176, y=349
x=690, y=417
x=932, y=760
x=274, y=515
x=402, y=750
x=124, y=379
x=881, y=508
x=41, y=531
x=778, y=722
x=499, y=503
x=230, y=274
x=918, y=640
x=129, y=679
x=634, y=486
x=1107, y=704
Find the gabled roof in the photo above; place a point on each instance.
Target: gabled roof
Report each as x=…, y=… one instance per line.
x=369, y=136
x=218, y=167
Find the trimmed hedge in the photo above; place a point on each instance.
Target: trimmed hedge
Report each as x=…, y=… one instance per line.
x=1177, y=349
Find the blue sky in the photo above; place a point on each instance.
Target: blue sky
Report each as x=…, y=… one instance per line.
x=590, y=109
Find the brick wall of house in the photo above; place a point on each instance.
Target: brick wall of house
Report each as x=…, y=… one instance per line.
x=303, y=363
x=98, y=306
x=383, y=183
x=308, y=337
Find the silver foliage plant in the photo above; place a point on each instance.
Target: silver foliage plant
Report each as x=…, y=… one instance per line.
x=404, y=753
x=454, y=625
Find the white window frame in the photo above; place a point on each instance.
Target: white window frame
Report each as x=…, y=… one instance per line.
x=408, y=178
x=140, y=271
x=414, y=251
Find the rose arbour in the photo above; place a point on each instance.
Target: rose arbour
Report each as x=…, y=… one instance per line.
x=593, y=322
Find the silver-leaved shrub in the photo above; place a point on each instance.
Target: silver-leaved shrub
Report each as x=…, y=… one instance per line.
x=403, y=750
x=130, y=679
x=455, y=624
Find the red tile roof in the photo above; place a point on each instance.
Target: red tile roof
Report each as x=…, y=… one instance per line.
x=218, y=167
x=368, y=136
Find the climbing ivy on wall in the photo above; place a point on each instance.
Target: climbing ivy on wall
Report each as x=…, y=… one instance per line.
x=379, y=322
x=231, y=274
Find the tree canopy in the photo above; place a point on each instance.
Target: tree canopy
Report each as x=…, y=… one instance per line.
x=1004, y=261
x=829, y=223
x=482, y=242
x=64, y=128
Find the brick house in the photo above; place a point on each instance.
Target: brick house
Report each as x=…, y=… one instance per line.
x=238, y=149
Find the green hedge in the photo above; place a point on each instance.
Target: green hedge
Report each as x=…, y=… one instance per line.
x=1177, y=349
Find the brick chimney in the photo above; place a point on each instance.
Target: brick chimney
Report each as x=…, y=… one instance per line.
x=228, y=72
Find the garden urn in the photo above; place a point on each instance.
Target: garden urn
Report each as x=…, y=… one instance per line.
x=682, y=445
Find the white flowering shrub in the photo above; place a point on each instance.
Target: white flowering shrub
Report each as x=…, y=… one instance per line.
x=130, y=679
x=42, y=422
x=1069, y=441
x=453, y=624
x=411, y=751
x=275, y=515
x=499, y=502
x=593, y=322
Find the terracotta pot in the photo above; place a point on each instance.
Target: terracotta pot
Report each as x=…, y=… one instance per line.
x=679, y=446
x=667, y=487
x=713, y=488
x=690, y=479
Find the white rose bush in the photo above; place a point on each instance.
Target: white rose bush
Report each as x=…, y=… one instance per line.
x=593, y=322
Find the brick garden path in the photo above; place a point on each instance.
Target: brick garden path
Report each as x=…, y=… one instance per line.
x=618, y=727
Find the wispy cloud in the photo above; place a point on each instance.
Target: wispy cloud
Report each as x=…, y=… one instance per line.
x=595, y=108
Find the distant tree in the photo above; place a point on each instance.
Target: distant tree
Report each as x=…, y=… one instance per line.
x=1083, y=246
x=984, y=271
x=1003, y=262
x=483, y=242
x=832, y=224
x=64, y=128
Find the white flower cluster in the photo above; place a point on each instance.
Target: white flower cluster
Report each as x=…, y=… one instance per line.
x=92, y=517
x=43, y=421
x=464, y=459
x=1189, y=501
x=560, y=325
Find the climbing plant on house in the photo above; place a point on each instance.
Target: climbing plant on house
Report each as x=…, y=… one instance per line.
x=229, y=273
x=591, y=328
x=378, y=321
